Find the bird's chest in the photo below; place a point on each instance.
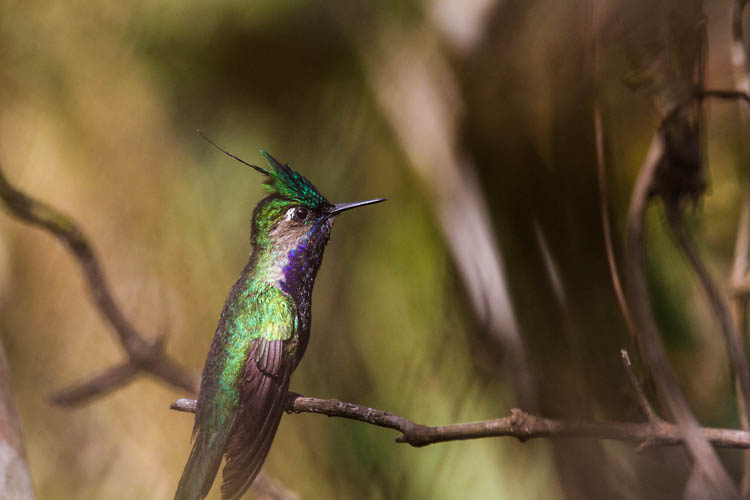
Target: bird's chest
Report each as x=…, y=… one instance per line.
x=300, y=267
x=302, y=333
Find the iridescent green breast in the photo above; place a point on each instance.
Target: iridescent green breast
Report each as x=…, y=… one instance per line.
x=255, y=312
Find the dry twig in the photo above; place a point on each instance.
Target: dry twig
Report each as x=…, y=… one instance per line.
x=638, y=392
x=601, y=172
x=730, y=95
x=696, y=441
x=519, y=424
x=143, y=355
x=721, y=310
x=606, y=226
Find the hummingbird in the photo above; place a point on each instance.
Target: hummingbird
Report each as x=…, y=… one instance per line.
x=262, y=333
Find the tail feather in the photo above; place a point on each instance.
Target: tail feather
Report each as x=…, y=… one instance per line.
x=251, y=439
x=203, y=464
x=246, y=431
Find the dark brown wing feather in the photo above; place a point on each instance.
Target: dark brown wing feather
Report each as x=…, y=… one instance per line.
x=262, y=395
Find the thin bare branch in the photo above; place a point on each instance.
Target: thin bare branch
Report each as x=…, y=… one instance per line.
x=696, y=441
x=731, y=95
x=143, y=355
x=99, y=385
x=719, y=307
x=520, y=425
x=606, y=227
x=601, y=170
x=640, y=396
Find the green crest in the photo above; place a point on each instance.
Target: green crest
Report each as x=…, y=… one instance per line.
x=283, y=180
x=288, y=183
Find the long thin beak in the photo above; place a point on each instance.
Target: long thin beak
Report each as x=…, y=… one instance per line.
x=341, y=207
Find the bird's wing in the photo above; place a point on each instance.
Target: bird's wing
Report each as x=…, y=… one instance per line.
x=262, y=399
x=204, y=460
x=262, y=390
x=242, y=393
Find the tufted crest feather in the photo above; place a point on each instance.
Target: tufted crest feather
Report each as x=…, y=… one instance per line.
x=283, y=180
x=288, y=183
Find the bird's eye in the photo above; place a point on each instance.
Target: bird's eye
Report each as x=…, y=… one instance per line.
x=301, y=213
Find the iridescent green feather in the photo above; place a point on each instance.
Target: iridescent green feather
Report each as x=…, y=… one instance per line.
x=256, y=314
x=290, y=184
x=268, y=214
x=260, y=312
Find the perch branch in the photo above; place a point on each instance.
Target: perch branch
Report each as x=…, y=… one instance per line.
x=142, y=355
x=519, y=424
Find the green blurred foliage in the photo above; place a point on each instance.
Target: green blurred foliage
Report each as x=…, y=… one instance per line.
x=98, y=107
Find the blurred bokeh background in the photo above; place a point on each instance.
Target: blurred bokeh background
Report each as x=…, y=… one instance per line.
x=481, y=284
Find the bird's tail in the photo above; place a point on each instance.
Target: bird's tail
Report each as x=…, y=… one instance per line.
x=252, y=436
x=203, y=464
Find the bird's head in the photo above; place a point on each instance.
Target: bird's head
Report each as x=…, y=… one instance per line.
x=295, y=219
x=295, y=211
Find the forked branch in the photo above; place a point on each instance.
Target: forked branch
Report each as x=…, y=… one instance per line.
x=143, y=356
x=697, y=442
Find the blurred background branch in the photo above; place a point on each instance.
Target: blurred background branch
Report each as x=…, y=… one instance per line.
x=418, y=93
x=655, y=356
x=15, y=479
x=143, y=355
